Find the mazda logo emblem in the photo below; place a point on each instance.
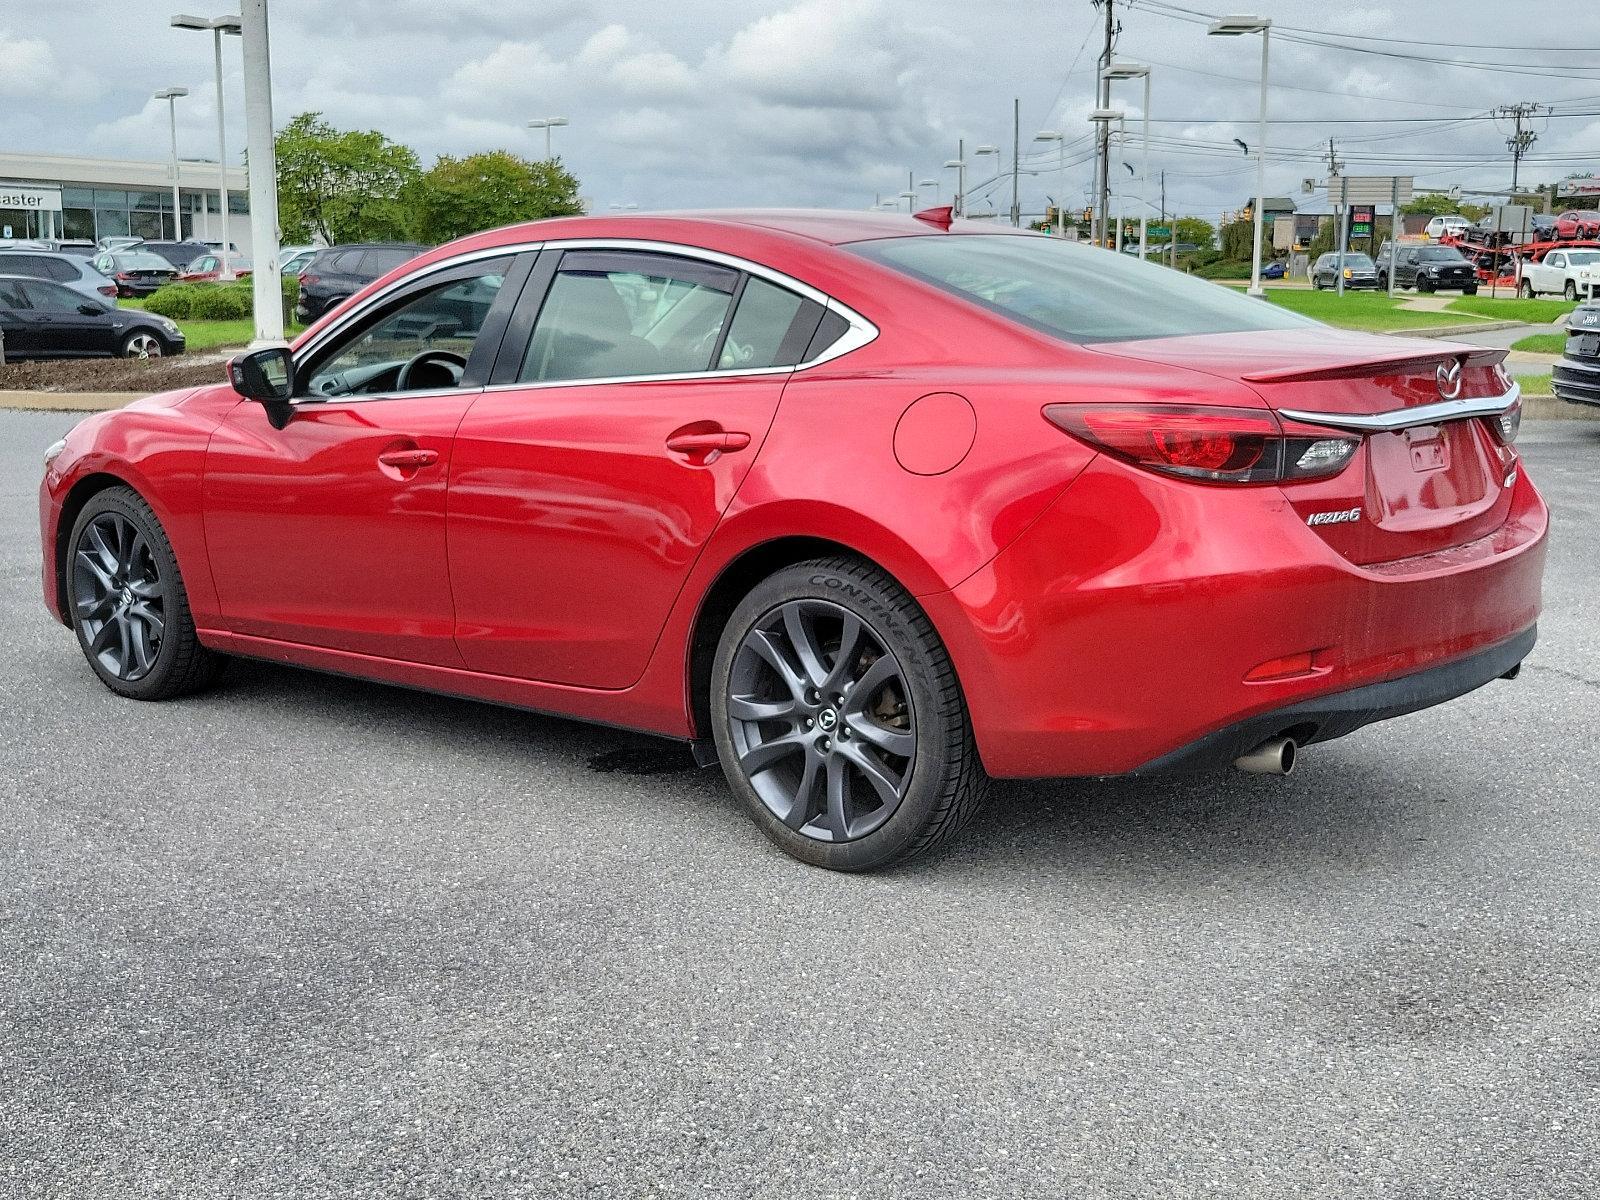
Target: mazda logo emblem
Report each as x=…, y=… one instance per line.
x=827, y=718
x=1449, y=379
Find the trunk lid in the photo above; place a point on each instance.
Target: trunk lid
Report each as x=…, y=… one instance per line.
x=1427, y=477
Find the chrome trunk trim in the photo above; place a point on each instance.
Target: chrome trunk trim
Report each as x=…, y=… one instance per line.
x=1408, y=418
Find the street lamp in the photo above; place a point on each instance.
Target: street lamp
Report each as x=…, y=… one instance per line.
x=547, y=124
x=1236, y=27
x=1060, y=139
x=171, y=96
x=930, y=183
x=1103, y=118
x=1136, y=71
x=218, y=26
x=958, y=164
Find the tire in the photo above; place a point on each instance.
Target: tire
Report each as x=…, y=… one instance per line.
x=1383, y=283
x=141, y=343
x=846, y=784
x=1570, y=291
x=1470, y=290
x=127, y=602
x=1525, y=290
x=1424, y=285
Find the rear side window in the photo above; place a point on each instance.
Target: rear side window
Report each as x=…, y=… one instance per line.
x=770, y=328
x=60, y=269
x=343, y=263
x=614, y=314
x=381, y=262
x=1079, y=293
x=24, y=264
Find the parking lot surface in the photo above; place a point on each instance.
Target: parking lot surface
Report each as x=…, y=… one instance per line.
x=309, y=937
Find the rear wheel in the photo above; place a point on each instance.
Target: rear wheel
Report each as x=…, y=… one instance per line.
x=839, y=720
x=142, y=344
x=1525, y=290
x=1571, y=290
x=127, y=602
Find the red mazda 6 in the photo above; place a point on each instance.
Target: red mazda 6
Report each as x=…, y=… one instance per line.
x=868, y=508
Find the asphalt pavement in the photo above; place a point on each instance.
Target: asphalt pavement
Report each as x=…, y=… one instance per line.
x=309, y=937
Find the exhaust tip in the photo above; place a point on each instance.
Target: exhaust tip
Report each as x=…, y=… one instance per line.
x=1275, y=756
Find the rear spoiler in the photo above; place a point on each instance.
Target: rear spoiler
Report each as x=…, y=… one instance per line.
x=1378, y=366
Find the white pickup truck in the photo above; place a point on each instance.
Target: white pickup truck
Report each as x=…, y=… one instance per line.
x=1574, y=274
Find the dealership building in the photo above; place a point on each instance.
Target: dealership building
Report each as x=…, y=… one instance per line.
x=85, y=199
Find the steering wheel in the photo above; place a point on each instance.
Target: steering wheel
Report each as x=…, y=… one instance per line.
x=454, y=363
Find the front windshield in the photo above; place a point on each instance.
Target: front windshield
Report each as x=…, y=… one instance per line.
x=1080, y=293
x=1582, y=258
x=1356, y=261
x=1440, y=254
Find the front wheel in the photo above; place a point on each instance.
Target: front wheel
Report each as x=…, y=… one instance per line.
x=1470, y=290
x=839, y=720
x=1571, y=290
x=142, y=344
x=1525, y=290
x=127, y=601
x=1424, y=285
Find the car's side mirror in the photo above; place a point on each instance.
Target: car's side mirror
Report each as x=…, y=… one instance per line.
x=267, y=377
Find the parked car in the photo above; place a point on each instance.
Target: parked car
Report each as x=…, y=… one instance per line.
x=292, y=260
x=1357, y=269
x=1427, y=268
x=1274, y=270
x=136, y=273
x=118, y=242
x=336, y=273
x=917, y=572
x=1578, y=223
x=1577, y=375
x=1545, y=227
x=179, y=254
x=208, y=268
x=1449, y=225
x=43, y=319
x=64, y=269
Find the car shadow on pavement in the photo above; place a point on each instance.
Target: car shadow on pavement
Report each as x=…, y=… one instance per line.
x=1343, y=808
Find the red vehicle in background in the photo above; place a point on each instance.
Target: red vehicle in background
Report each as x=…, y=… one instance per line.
x=868, y=509
x=1578, y=223
x=208, y=268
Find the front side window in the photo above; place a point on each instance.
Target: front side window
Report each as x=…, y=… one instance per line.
x=12, y=295
x=422, y=345
x=1079, y=293
x=50, y=297
x=618, y=313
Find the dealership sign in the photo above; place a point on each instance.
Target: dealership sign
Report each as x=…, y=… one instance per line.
x=30, y=199
x=1589, y=186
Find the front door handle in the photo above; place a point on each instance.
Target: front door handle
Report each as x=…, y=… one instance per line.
x=409, y=460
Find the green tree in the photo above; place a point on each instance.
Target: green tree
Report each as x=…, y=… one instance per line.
x=341, y=185
x=458, y=196
x=1238, y=240
x=1327, y=239
x=1194, y=230
x=1429, y=204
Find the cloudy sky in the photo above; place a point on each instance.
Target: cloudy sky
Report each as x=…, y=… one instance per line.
x=689, y=103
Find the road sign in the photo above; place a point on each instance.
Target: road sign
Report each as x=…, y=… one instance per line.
x=1160, y=231
x=1368, y=189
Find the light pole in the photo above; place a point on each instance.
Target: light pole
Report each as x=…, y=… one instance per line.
x=218, y=26
x=1235, y=27
x=266, y=289
x=930, y=183
x=1103, y=117
x=1060, y=139
x=911, y=200
x=547, y=124
x=1136, y=71
x=172, y=96
x=958, y=164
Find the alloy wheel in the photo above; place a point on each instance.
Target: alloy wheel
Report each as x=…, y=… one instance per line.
x=821, y=720
x=118, y=596
x=144, y=345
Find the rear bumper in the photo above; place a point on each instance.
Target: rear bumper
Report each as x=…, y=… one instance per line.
x=1331, y=716
x=1118, y=631
x=1577, y=381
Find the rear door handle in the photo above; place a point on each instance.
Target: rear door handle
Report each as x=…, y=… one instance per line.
x=700, y=443
x=409, y=460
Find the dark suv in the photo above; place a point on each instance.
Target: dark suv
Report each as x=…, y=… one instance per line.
x=339, y=272
x=1428, y=269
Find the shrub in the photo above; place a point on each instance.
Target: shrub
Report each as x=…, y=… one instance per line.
x=214, y=301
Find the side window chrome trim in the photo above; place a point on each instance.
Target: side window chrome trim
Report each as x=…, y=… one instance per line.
x=860, y=332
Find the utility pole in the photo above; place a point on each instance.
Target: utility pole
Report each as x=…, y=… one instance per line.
x=1522, y=140
x=1103, y=101
x=1016, y=164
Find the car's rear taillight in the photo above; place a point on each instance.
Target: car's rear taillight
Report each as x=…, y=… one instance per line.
x=122, y=275
x=1213, y=445
x=308, y=280
x=107, y=289
x=1506, y=426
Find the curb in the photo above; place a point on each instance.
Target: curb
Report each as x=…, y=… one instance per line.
x=1450, y=331
x=67, y=401
x=1548, y=408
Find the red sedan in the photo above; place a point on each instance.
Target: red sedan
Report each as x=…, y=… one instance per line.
x=1579, y=223
x=868, y=508
x=208, y=268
